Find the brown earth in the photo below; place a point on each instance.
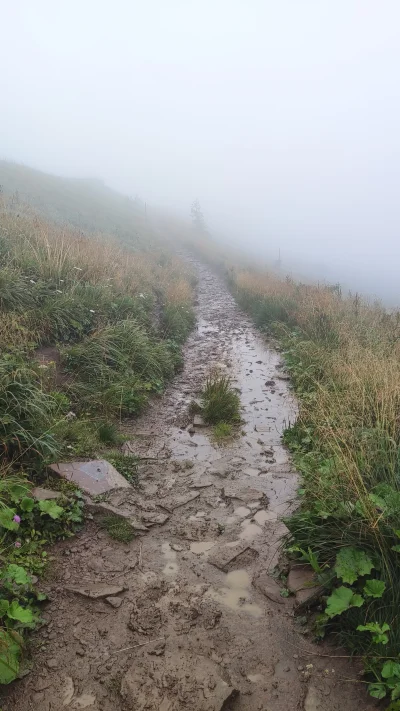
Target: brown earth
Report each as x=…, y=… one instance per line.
x=192, y=618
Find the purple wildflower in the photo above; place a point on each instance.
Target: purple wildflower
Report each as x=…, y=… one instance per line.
x=17, y=544
x=17, y=518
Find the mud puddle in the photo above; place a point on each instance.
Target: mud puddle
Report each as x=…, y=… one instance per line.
x=196, y=619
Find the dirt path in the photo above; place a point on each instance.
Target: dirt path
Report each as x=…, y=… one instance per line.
x=197, y=623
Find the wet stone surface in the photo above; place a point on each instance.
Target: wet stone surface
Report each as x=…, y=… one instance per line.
x=199, y=623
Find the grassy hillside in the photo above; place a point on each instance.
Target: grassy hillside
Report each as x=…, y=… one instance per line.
x=90, y=329
x=88, y=205
x=344, y=358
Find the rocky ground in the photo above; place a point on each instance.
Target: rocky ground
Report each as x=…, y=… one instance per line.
x=189, y=615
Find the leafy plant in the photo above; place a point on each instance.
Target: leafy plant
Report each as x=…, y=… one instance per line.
x=341, y=600
x=378, y=631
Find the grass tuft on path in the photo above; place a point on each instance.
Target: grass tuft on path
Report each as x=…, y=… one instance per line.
x=221, y=403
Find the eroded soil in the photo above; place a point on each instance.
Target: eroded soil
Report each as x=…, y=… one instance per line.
x=193, y=619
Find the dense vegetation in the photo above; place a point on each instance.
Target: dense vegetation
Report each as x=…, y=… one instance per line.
x=343, y=356
x=89, y=330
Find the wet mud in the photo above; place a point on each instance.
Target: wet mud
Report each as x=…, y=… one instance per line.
x=198, y=620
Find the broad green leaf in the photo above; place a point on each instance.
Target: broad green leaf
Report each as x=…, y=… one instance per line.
x=395, y=693
x=4, y=605
x=390, y=668
x=357, y=600
x=6, y=519
x=378, y=691
x=374, y=588
x=378, y=631
x=10, y=652
x=341, y=600
x=395, y=706
x=27, y=504
x=17, y=491
x=51, y=509
x=351, y=563
x=17, y=574
x=17, y=612
x=396, y=549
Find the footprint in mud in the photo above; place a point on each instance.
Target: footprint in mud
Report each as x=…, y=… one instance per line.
x=235, y=594
x=171, y=567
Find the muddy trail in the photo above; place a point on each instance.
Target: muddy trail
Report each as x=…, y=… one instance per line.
x=187, y=615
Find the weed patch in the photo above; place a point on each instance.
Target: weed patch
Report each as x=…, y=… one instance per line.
x=221, y=403
x=222, y=432
x=118, y=529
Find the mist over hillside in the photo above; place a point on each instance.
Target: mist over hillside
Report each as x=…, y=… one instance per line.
x=87, y=204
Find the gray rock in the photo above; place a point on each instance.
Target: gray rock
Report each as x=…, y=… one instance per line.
x=198, y=421
x=268, y=587
x=98, y=590
x=95, y=477
x=114, y=601
x=107, y=509
x=45, y=494
x=52, y=664
x=175, y=502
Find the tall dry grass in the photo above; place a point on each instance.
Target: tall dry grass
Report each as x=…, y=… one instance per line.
x=343, y=355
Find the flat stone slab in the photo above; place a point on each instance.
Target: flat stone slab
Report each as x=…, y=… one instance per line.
x=301, y=581
x=96, y=591
x=198, y=421
x=176, y=501
x=102, y=508
x=95, y=477
x=246, y=494
x=268, y=587
x=201, y=483
x=153, y=518
x=300, y=577
x=45, y=494
x=223, y=556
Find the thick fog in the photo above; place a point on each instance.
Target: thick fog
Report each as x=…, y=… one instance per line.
x=281, y=116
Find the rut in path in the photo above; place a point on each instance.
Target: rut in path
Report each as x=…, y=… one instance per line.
x=198, y=622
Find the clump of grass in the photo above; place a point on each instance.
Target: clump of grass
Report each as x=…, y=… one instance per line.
x=107, y=433
x=222, y=431
x=119, y=529
x=127, y=465
x=221, y=403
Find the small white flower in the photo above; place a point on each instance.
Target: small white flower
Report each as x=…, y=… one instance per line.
x=58, y=291
x=69, y=446
x=78, y=269
x=70, y=415
x=91, y=311
x=142, y=296
x=62, y=281
x=32, y=282
x=43, y=366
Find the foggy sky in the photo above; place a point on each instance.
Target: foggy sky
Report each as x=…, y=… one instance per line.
x=281, y=116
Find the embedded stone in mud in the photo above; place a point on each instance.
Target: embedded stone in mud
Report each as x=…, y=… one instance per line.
x=95, y=477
